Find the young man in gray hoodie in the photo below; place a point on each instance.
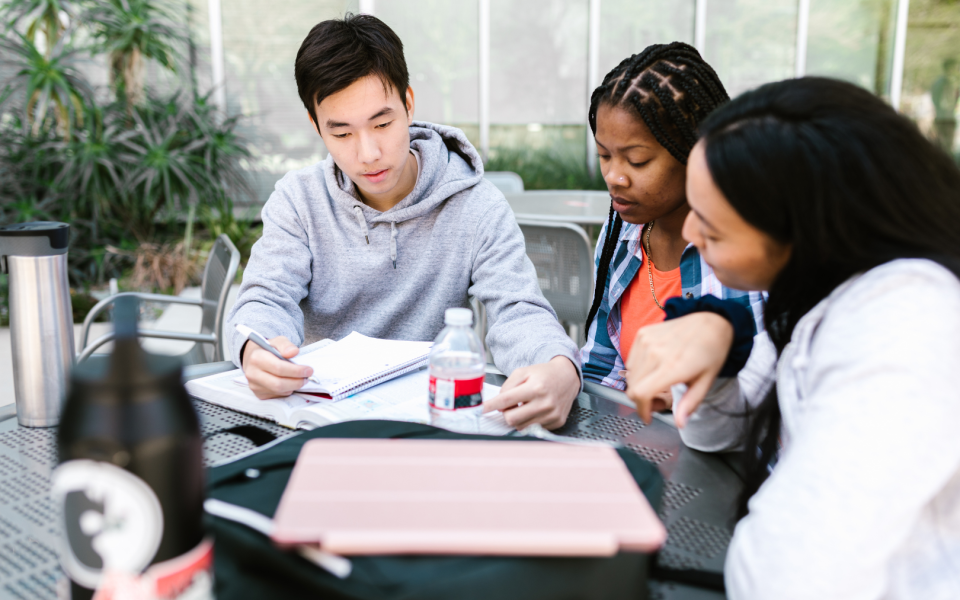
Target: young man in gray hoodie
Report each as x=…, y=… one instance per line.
x=394, y=227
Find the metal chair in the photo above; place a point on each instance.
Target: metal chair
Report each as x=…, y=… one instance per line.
x=562, y=255
x=507, y=182
x=218, y=275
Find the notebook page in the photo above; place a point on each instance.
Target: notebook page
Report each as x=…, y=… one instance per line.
x=357, y=357
x=417, y=410
x=400, y=399
x=410, y=387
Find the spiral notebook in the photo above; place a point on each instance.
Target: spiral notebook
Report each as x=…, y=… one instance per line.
x=358, y=362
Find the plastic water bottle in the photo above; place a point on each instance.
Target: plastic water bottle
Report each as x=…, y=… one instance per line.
x=457, y=369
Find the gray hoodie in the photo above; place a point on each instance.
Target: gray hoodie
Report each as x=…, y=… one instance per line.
x=313, y=274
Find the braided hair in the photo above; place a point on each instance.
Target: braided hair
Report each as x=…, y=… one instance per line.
x=672, y=89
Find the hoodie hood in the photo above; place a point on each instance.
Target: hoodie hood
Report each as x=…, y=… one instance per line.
x=448, y=164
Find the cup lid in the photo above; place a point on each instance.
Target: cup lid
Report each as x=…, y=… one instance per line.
x=37, y=238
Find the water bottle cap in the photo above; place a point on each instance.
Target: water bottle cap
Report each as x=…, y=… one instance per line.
x=458, y=316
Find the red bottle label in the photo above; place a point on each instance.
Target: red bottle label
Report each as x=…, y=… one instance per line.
x=451, y=394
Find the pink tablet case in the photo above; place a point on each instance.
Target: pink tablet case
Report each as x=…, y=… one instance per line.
x=464, y=497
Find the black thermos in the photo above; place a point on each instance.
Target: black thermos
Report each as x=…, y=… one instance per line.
x=130, y=479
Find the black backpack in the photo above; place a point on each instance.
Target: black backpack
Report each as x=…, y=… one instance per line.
x=248, y=565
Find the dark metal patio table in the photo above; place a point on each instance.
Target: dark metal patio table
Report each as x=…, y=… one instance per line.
x=697, y=506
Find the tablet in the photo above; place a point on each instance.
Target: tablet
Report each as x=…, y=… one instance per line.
x=404, y=496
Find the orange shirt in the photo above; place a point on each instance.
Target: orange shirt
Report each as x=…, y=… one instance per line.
x=637, y=308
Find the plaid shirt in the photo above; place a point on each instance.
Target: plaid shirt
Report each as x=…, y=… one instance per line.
x=600, y=356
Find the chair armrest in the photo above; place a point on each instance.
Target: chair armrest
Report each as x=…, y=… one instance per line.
x=200, y=338
x=99, y=307
x=197, y=371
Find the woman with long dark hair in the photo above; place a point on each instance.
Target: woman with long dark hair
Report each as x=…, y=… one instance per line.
x=644, y=117
x=820, y=193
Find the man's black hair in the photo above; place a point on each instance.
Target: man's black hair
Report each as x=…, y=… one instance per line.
x=338, y=52
x=672, y=89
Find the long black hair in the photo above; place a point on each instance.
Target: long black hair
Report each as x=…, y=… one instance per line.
x=672, y=89
x=834, y=171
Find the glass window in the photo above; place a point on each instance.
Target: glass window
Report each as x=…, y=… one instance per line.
x=260, y=43
x=629, y=26
x=538, y=85
x=853, y=41
x=751, y=42
x=440, y=44
x=931, y=78
x=538, y=61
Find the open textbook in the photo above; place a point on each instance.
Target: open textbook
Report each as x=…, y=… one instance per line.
x=400, y=399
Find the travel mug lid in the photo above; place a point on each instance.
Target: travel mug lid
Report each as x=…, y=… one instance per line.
x=37, y=238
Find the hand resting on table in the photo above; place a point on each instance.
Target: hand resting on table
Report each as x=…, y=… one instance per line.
x=540, y=394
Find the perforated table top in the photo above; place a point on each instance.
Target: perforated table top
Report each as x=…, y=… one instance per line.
x=697, y=504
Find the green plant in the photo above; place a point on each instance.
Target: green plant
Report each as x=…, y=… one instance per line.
x=164, y=169
x=130, y=31
x=179, y=157
x=48, y=80
x=81, y=303
x=222, y=149
x=123, y=172
x=92, y=168
x=242, y=232
x=44, y=17
x=27, y=171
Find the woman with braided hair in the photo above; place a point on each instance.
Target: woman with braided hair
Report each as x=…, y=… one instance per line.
x=645, y=117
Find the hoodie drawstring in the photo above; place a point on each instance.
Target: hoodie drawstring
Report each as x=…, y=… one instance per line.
x=393, y=243
x=366, y=233
x=363, y=225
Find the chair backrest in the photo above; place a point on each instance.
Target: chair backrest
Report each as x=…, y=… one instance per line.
x=507, y=182
x=562, y=255
x=218, y=276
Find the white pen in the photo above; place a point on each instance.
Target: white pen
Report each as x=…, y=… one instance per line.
x=261, y=341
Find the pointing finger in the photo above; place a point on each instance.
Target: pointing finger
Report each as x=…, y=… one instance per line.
x=688, y=404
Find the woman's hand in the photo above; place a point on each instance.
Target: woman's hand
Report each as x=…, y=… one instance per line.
x=690, y=350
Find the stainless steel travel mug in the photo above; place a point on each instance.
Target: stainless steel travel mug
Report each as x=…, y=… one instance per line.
x=41, y=318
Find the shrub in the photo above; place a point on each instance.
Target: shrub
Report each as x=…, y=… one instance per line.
x=546, y=169
x=121, y=171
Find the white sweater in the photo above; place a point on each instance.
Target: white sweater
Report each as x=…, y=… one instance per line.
x=864, y=502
